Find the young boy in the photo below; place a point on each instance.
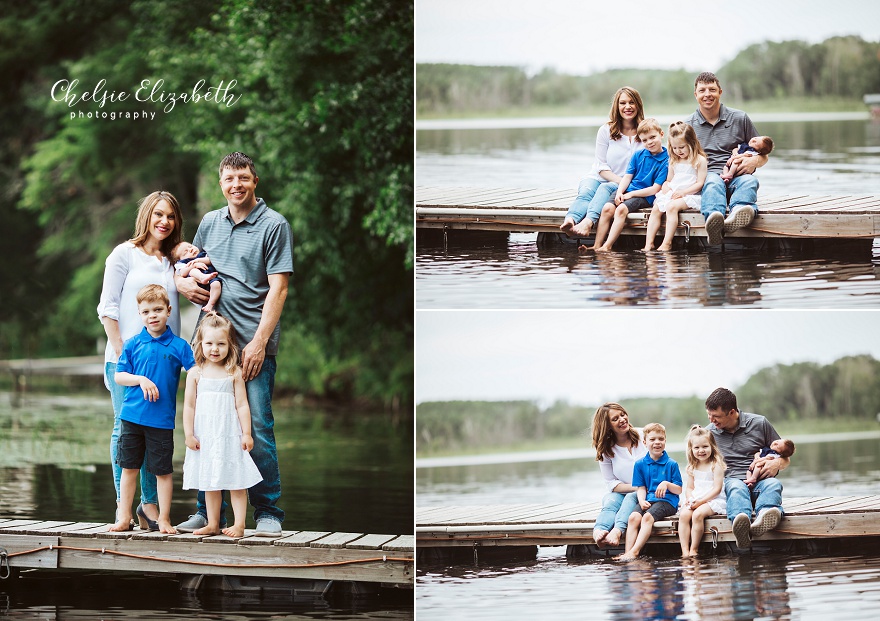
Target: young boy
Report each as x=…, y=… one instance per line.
x=190, y=262
x=657, y=480
x=149, y=366
x=644, y=176
x=783, y=447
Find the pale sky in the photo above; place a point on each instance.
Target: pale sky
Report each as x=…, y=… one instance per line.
x=584, y=36
x=586, y=357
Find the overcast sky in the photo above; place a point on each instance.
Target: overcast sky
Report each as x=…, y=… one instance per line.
x=587, y=357
x=583, y=36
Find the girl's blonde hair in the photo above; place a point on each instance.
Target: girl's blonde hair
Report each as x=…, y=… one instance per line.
x=145, y=212
x=682, y=130
x=604, y=439
x=616, y=122
x=213, y=320
x=715, y=458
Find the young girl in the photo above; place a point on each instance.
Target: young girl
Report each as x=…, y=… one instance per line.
x=687, y=173
x=704, y=488
x=217, y=424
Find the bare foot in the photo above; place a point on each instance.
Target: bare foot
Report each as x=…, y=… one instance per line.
x=584, y=249
x=599, y=537
x=208, y=307
x=648, y=248
x=694, y=553
x=603, y=248
x=567, y=225
x=664, y=247
x=583, y=229
x=628, y=556
x=123, y=525
x=234, y=531
x=166, y=527
x=210, y=529
x=612, y=539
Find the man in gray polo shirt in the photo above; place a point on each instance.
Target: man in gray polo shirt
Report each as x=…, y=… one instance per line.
x=720, y=130
x=739, y=436
x=251, y=246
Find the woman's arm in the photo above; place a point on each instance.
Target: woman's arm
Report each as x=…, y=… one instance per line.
x=115, y=273
x=111, y=328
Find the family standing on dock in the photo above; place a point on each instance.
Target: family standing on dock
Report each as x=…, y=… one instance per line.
x=715, y=164
x=644, y=483
x=251, y=247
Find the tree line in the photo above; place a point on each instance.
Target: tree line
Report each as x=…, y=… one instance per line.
x=840, y=67
x=849, y=388
x=325, y=110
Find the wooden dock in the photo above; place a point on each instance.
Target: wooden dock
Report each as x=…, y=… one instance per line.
x=327, y=556
x=522, y=210
x=571, y=524
x=80, y=366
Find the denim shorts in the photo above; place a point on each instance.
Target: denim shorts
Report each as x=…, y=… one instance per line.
x=139, y=443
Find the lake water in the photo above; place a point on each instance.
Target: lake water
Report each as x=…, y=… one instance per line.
x=760, y=585
x=348, y=471
x=818, y=155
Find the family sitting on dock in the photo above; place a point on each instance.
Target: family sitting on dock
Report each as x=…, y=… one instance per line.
x=227, y=418
x=714, y=157
x=728, y=471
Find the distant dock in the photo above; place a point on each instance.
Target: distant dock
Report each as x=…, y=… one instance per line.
x=80, y=366
x=522, y=210
x=467, y=532
x=325, y=558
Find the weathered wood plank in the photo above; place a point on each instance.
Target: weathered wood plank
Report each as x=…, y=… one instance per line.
x=301, y=539
x=402, y=543
x=370, y=542
x=335, y=540
x=44, y=559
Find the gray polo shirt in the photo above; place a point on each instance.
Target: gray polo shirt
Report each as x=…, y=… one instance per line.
x=739, y=448
x=732, y=129
x=244, y=255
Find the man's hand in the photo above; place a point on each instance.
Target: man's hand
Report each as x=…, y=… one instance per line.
x=252, y=357
x=771, y=468
x=748, y=164
x=191, y=291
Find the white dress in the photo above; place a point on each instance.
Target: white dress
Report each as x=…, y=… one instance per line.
x=685, y=176
x=703, y=481
x=220, y=463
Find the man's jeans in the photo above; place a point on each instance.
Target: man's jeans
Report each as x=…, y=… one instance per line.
x=765, y=494
x=742, y=190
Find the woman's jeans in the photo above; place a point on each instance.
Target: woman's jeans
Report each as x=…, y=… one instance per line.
x=766, y=494
x=264, y=495
x=616, y=509
x=592, y=196
x=148, y=480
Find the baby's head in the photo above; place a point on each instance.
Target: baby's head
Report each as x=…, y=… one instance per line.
x=762, y=144
x=783, y=447
x=184, y=250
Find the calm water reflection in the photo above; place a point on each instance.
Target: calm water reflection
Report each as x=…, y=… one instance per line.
x=346, y=471
x=819, y=157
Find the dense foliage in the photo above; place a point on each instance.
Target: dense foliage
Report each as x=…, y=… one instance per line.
x=325, y=110
x=847, y=389
x=840, y=67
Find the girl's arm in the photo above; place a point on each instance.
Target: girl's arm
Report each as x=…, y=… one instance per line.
x=189, y=410
x=697, y=187
x=717, y=482
x=244, y=411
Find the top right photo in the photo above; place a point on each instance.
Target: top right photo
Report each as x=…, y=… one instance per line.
x=568, y=158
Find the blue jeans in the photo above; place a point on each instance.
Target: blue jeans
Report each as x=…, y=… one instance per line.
x=742, y=190
x=592, y=196
x=616, y=508
x=148, y=480
x=264, y=495
x=765, y=494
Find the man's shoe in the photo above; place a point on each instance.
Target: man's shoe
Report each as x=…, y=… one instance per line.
x=267, y=527
x=766, y=521
x=741, y=530
x=738, y=218
x=715, y=228
x=194, y=522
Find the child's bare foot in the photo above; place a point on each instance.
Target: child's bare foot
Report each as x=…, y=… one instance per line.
x=567, y=225
x=627, y=556
x=648, y=248
x=123, y=524
x=694, y=553
x=583, y=229
x=603, y=248
x=210, y=529
x=166, y=527
x=582, y=249
x=208, y=307
x=235, y=530
x=612, y=539
x=664, y=247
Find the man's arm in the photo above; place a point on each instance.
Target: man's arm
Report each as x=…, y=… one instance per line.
x=254, y=353
x=773, y=467
x=747, y=165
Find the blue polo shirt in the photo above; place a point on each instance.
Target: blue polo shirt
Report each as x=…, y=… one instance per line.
x=647, y=169
x=160, y=360
x=649, y=474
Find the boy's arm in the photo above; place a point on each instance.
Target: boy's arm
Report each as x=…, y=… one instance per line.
x=644, y=192
x=150, y=390
x=243, y=410
x=621, y=188
x=189, y=412
x=642, y=495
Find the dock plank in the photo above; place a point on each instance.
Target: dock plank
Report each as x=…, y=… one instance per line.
x=335, y=540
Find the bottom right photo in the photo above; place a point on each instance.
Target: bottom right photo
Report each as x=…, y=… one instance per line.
x=647, y=464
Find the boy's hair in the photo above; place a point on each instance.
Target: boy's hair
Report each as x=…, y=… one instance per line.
x=789, y=447
x=653, y=428
x=153, y=293
x=647, y=125
x=768, y=145
x=616, y=122
x=723, y=399
x=716, y=458
x=604, y=439
x=707, y=77
x=145, y=212
x=236, y=161
x=680, y=129
x=214, y=320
